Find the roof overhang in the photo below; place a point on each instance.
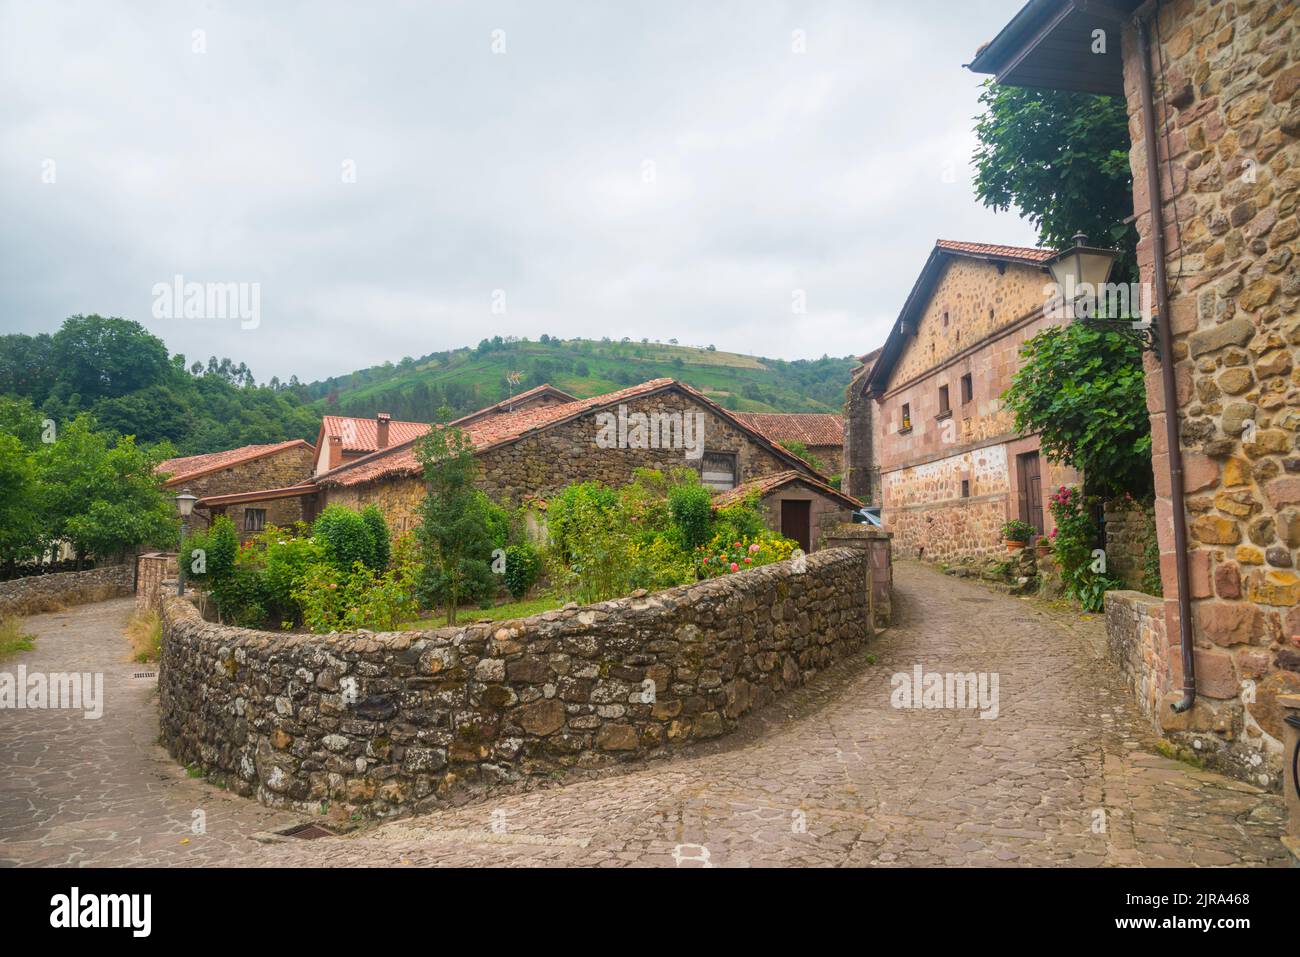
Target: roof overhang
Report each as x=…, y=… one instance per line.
x=263, y=495
x=1053, y=45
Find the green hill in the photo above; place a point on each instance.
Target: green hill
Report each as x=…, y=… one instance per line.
x=468, y=379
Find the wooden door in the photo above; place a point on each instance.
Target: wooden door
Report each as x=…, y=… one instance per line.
x=796, y=522
x=1031, y=492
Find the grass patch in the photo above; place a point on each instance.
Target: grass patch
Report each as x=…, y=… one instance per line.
x=472, y=613
x=144, y=632
x=13, y=639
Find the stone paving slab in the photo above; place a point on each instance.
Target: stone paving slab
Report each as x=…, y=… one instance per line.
x=832, y=775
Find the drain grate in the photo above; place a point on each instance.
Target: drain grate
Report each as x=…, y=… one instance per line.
x=307, y=832
x=145, y=674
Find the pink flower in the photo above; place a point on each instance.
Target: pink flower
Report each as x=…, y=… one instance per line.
x=754, y=547
x=748, y=560
x=735, y=567
x=706, y=559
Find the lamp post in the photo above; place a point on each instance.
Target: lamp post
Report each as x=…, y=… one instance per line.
x=1081, y=273
x=185, y=505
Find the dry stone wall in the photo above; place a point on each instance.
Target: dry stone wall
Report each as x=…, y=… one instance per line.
x=38, y=593
x=403, y=721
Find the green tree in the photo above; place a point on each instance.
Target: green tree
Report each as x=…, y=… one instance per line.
x=1061, y=159
x=455, y=535
x=20, y=516
x=99, y=357
x=102, y=495
x=1083, y=390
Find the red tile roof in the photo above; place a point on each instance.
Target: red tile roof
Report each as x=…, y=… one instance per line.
x=770, y=483
x=510, y=404
x=508, y=427
x=810, y=428
x=1027, y=254
x=192, y=466
x=362, y=435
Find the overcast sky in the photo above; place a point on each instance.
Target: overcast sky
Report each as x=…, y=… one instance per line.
x=648, y=169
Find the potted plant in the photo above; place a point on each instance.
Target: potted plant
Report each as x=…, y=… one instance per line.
x=1016, y=534
x=1044, y=544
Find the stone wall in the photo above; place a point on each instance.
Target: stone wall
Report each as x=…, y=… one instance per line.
x=540, y=465
x=1136, y=638
x=402, y=721
x=152, y=570
x=1128, y=529
x=861, y=473
x=38, y=593
x=1228, y=94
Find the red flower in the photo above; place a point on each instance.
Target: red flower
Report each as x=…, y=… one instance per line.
x=735, y=567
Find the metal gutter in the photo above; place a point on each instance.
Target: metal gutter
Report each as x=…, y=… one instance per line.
x=1177, y=492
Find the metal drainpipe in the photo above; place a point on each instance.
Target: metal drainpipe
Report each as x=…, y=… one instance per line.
x=1165, y=332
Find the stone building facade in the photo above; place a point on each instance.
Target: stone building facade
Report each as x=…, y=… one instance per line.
x=219, y=475
x=1225, y=99
x=952, y=467
x=534, y=453
x=797, y=505
x=861, y=473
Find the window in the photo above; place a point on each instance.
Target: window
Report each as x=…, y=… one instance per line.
x=967, y=388
x=254, y=519
x=907, y=418
x=944, y=407
x=945, y=320
x=718, y=470
x=965, y=488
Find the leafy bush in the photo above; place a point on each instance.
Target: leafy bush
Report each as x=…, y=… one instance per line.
x=347, y=538
x=691, y=507
x=380, y=542
x=332, y=600
x=523, y=566
x=1073, y=540
x=286, y=562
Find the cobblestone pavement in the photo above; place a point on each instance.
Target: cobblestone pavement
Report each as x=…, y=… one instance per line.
x=830, y=775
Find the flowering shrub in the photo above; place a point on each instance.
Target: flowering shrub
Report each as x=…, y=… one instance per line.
x=1073, y=540
x=721, y=557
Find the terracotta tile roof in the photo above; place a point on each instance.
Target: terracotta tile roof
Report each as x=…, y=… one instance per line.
x=810, y=428
x=770, y=483
x=507, y=405
x=1027, y=254
x=362, y=435
x=192, y=466
x=501, y=429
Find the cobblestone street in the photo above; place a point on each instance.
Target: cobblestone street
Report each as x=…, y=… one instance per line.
x=831, y=775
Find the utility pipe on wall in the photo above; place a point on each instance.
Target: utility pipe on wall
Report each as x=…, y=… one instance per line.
x=1164, y=330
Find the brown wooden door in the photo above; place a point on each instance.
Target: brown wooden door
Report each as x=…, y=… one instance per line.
x=796, y=522
x=1031, y=492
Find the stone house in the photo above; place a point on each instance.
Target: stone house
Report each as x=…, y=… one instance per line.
x=952, y=467
x=532, y=451
x=1213, y=97
x=222, y=481
x=821, y=433
x=861, y=476
x=345, y=438
x=796, y=504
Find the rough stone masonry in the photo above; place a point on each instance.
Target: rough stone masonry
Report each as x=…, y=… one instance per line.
x=404, y=721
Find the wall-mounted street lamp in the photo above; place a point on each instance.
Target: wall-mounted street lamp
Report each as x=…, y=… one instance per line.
x=185, y=505
x=1081, y=273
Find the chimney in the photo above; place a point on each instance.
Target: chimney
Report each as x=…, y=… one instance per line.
x=336, y=451
x=382, y=420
